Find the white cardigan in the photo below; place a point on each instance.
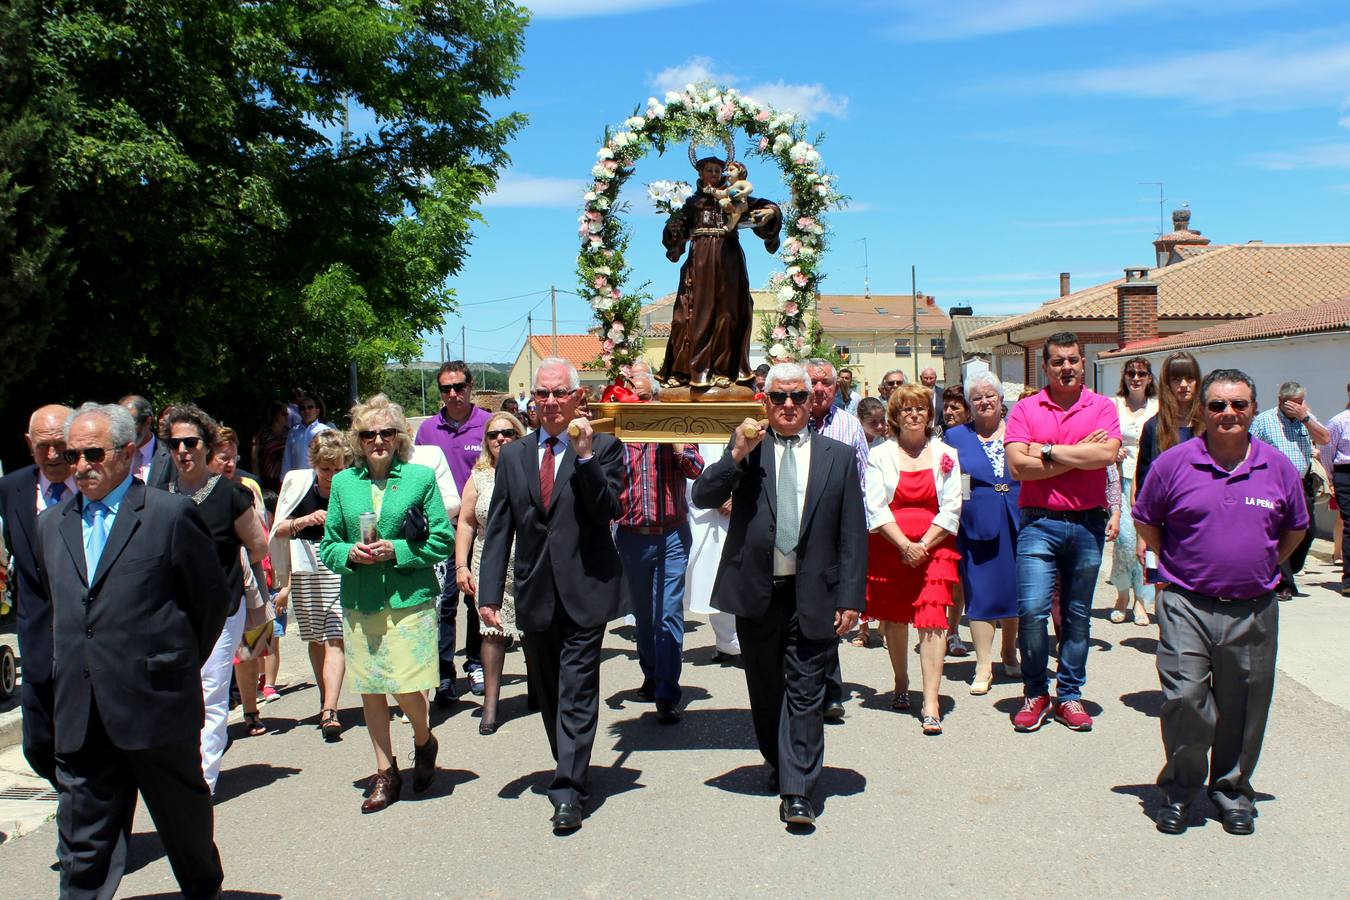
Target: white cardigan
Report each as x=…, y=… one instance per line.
x=299, y=556
x=883, y=476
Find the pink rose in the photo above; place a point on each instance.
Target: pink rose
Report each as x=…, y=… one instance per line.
x=611, y=165
x=799, y=279
x=764, y=143
x=805, y=222
x=607, y=346
x=614, y=292
x=947, y=464
x=600, y=281
x=779, y=333
x=762, y=115
x=790, y=308
x=616, y=325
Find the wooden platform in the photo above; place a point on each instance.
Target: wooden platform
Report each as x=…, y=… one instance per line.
x=673, y=423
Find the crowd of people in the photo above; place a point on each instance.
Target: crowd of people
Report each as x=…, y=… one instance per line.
x=151, y=571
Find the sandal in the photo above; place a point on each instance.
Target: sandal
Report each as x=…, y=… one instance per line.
x=329, y=725
x=900, y=702
x=1117, y=616
x=932, y=726
x=254, y=724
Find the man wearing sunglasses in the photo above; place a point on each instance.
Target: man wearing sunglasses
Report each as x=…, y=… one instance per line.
x=138, y=600
x=1222, y=513
x=555, y=496
x=24, y=493
x=296, y=455
x=1292, y=429
x=792, y=571
x=889, y=382
x=457, y=429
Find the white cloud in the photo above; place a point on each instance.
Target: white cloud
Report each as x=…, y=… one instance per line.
x=578, y=9
x=1326, y=155
x=807, y=100
x=1293, y=71
x=521, y=190
x=963, y=19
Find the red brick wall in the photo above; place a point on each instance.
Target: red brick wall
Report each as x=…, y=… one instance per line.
x=1137, y=313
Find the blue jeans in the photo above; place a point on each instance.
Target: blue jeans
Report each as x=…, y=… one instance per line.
x=654, y=565
x=1050, y=550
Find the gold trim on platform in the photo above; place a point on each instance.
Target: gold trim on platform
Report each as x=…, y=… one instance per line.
x=673, y=423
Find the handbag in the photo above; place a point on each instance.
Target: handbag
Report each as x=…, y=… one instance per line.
x=1315, y=483
x=415, y=525
x=259, y=615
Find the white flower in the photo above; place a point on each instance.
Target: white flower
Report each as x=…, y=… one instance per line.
x=786, y=293
x=602, y=270
x=674, y=98
x=777, y=351
x=602, y=303
x=621, y=139
x=636, y=123
x=656, y=110
x=806, y=253
x=782, y=142
x=602, y=203
x=604, y=153
x=602, y=173
x=589, y=196
x=792, y=270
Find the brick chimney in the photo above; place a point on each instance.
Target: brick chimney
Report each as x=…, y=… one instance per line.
x=1180, y=236
x=1137, y=308
x=1064, y=284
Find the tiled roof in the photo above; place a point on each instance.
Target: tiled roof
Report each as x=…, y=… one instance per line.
x=964, y=325
x=1230, y=281
x=1332, y=315
x=879, y=312
x=658, y=329
x=579, y=349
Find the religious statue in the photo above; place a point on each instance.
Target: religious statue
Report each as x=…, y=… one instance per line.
x=711, y=326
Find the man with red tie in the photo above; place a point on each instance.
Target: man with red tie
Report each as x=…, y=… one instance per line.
x=555, y=496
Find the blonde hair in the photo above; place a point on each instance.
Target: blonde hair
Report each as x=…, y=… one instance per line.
x=908, y=395
x=485, y=459
x=329, y=446
x=379, y=406
x=227, y=435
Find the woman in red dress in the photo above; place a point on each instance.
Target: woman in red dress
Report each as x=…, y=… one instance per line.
x=913, y=508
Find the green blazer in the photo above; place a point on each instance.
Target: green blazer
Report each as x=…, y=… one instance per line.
x=408, y=579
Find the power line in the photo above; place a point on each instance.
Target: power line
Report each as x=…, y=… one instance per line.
x=500, y=299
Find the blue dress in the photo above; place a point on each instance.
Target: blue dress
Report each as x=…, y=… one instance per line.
x=987, y=540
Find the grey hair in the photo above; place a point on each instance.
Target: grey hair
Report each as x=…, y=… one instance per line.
x=981, y=379
x=1291, y=389
x=816, y=362
x=557, y=362
x=784, y=371
x=121, y=425
x=900, y=372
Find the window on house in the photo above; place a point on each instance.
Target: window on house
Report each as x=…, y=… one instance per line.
x=881, y=310
x=838, y=311
x=902, y=346
x=841, y=350
x=938, y=346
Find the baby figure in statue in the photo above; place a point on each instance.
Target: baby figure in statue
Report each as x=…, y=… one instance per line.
x=734, y=197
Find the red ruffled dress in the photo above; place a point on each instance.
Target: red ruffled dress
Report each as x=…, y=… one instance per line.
x=915, y=595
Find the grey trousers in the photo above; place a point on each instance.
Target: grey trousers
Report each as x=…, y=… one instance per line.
x=1216, y=665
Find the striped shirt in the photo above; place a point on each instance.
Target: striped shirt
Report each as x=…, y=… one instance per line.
x=654, y=485
x=1337, y=452
x=1289, y=436
x=844, y=427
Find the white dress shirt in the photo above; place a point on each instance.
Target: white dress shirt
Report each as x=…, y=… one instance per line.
x=801, y=455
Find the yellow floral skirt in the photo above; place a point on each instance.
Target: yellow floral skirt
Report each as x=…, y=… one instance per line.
x=392, y=651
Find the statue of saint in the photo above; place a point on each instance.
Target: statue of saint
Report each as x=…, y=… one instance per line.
x=713, y=320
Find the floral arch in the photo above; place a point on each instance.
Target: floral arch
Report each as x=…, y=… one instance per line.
x=707, y=115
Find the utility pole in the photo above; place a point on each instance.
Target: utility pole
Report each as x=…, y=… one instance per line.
x=463, y=346
x=914, y=296
x=529, y=343
x=867, y=281
x=553, y=298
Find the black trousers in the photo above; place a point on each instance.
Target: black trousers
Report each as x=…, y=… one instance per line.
x=1340, y=483
x=785, y=674
x=564, y=666
x=473, y=642
x=98, y=785
x=1294, y=564
x=38, y=700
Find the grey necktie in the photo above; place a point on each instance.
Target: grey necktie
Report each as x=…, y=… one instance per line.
x=785, y=539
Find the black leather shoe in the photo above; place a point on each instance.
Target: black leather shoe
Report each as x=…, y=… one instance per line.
x=796, y=811
x=834, y=711
x=647, y=693
x=667, y=713
x=446, y=694
x=1238, y=821
x=1172, y=818
x=566, y=817
x=727, y=659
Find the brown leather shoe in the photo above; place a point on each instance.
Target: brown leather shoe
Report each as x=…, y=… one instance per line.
x=424, y=764
x=384, y=790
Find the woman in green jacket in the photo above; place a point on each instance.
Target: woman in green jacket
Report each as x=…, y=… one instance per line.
x=388, y=586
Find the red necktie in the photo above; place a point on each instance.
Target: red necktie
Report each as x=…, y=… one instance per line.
x=546, y=471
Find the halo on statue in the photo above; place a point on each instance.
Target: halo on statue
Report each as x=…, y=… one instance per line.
x=704, y=114
x=728, y=145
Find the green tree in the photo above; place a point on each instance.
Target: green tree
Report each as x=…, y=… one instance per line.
x=184, y=161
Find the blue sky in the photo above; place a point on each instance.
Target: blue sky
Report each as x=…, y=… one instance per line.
x=991, y=144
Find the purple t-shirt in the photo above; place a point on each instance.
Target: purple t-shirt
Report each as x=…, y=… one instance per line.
x=1221, y=530
x=1040, y=420
x=461, y=444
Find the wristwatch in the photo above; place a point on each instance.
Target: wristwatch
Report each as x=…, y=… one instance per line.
x=1046, y=450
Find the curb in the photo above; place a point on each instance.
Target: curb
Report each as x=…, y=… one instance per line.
x=11, y=728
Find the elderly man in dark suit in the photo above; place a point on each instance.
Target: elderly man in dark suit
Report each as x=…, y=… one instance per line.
x=793, y=569
x=556, y=493
x=152, y=464
x=138, y=599
x=23, y=494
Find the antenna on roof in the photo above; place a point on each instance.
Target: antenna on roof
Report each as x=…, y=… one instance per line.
x=867, y=284
x=1161, y=227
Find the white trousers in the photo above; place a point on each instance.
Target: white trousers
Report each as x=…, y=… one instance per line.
x=216, y=694
x=724, y=633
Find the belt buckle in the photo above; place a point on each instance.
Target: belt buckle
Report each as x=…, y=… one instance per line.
x=1002, y=488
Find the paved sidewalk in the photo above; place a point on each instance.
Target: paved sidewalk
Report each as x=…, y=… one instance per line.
x=679, y=811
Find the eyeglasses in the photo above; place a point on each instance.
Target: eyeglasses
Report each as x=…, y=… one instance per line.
x=1218, y=406
x=1138, y=373
x=93, y=454
x=778, y=398
x=910, y=410
x=385, y=433
x=191, y=443
x=892, y=384
x=556, y=393
x=499, y=432
x=458, y=387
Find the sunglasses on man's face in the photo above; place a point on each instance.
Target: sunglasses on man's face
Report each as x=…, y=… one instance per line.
x=556, y=393
x=93, y=454
x=1218, y=406
x=191, y=443
x=778, y=398
x=892, y=384
x=458, y=387
x=499, y=433
x=385, y=433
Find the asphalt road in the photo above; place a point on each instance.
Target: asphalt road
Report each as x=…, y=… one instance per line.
x=679, y=811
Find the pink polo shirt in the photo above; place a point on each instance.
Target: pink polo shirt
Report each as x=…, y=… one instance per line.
x=1040, y=420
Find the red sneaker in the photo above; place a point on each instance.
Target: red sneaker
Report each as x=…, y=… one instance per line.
x=1071, y=715
x=1034, y=713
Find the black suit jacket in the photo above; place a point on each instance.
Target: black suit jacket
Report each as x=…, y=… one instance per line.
x=564, y=551
x=18, y=506
x=831, y=553
x=132, y=637
x=161, y=467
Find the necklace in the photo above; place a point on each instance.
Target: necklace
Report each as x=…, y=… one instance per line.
x=202, y=492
